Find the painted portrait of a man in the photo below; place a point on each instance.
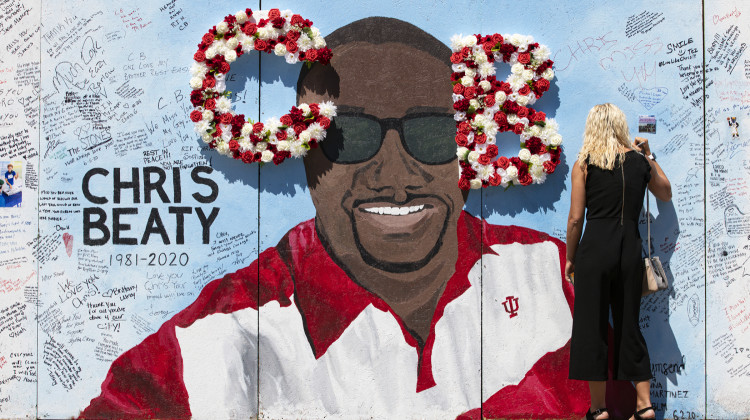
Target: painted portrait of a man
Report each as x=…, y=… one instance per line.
x=393, y=302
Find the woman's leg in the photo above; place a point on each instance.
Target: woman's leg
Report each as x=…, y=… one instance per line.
x=598, y=390
x=643, y=398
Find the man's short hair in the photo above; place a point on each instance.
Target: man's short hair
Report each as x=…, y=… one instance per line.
x=380, y=30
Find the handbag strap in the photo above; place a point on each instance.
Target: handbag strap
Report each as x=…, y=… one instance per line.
x=648, y=222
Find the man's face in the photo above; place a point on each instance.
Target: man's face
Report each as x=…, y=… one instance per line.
x=385, y=206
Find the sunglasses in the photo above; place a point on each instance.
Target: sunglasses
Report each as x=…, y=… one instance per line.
x=355, y=137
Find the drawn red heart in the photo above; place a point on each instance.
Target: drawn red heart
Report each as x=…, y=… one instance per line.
x=68, y=240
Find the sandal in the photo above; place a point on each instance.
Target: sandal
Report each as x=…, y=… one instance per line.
x=591, y=415
x=637, y=414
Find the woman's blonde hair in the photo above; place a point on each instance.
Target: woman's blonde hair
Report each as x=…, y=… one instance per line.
x=604, y=137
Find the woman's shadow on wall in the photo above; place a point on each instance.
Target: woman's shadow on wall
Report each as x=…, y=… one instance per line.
x=667, y=360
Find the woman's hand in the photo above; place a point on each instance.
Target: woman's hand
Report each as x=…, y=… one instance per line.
x=641, y=144
x=569, y=268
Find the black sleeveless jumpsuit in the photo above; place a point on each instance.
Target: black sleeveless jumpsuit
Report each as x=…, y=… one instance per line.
x=609, y=272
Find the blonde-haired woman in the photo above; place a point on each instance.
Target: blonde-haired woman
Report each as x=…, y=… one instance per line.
x=609, y=181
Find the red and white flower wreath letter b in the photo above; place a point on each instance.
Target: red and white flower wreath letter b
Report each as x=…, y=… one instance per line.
x=485, y=106
x=284, y=34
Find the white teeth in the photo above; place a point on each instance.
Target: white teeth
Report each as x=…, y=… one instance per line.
x=395, y=211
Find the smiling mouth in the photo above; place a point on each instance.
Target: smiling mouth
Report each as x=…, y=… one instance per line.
x=395, y=211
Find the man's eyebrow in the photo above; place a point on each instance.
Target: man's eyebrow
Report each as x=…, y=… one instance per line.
x=348, y=108
x=417, y=109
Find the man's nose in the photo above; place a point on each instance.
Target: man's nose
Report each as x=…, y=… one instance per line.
x=394, y=171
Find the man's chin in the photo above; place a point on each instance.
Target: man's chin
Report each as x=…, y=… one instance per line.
x=400, y=251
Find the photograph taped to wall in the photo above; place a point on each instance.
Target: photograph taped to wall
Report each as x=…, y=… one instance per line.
x=11, y=183
x=647, y=124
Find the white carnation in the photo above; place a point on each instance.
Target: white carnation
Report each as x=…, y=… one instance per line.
x=541, y=53
x=522, y=100
x=456, y=97
x=474, y=103
x=246, y=146
x=462, y=152
x=473, y=156
x=470, y=40
x=266, y=156
x=207, y=138
x=222, y=27
x=198, y=70
x=471, y=73
x=261, y=146
x=475, y=184
x=196, y=83
x=247, y=128
x=480, y=57
x=500, y=97
x=555, y=140
x=222, y=148
x=548, y=74
x=266, y=32
x=485, y=172
x=223, y=105
x=207, y=115
x=486, y=69
x=319, y=42
x=516, y=39
x=230, y=56
x=305, y=108
x=511, y=172
x=279, y=49
x=327, y=109
x=305, y=136
x=535, y=160
x=241, y=17
x=298, y=149
x=232, y=43
x=304, y=42
x=316, y=131
x=456, y=42
x=202, y=127
x=485, y=85
x=524, y=155
x=283, y=145
x=517, y=68
x=513, y=119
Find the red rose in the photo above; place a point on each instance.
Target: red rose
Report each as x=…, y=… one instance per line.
x=258, y=127
x=495, y=180
x=535, y=145
x=199, y=56
x=299, y=127
x=324, y=55
x=539, y=116
x=278, y=22
x=196, y=98
x=480, y=138
x=225, y=118
x=208, y=38
x=511, y=106
x=260, y=44
x=209, y=82
x=224, y=67
x=522, y=112
x=196, y=116
x=234, y=145
x=456, y=58
x=524, y=58
x=286, y=120
x=273, y=13
x=525, y=178
x=297, y=20
x=497, y=38
x=324, y=122
x=465, y=52
x=210, y=104
x=238, y=120
x=464, y=184
x=291, y=46
x=470, y=93
x=501, y=119
x=462, y=140
x=518, y=128
x=525, y=90
x=458, y=89
x=541, y=85
x=492, y=150
x=464, y=127
x=549, y=167
x=249, y=28
x=487, y=47
x=247, y=157
x=502, y=162
x=292, y=35
x=311, y=55
x=218, y=132
x=489, y=100
x=281, y=134
x=484, y=159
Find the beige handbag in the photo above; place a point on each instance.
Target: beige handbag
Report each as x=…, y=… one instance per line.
x=654, y=278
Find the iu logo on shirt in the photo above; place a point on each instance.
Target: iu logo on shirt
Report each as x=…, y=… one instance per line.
x=511, y=306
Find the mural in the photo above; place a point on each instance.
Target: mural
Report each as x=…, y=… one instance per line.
x=143, y=274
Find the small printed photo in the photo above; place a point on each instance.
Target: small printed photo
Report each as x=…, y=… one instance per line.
x=11, y=183
x=734, y=126
x=647, y=124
